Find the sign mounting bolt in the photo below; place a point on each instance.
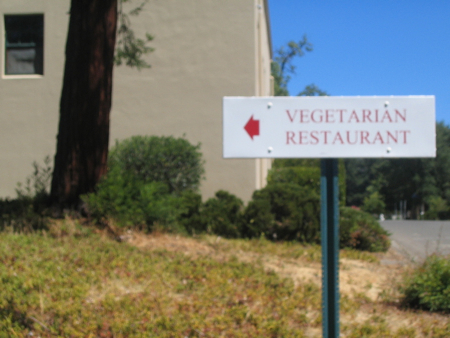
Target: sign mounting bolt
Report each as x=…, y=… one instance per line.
x=388, y=150
x=386, y=103
x=269, y=105
x=269, y=150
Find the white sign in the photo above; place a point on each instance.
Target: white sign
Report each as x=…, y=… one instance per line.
x=329, y=127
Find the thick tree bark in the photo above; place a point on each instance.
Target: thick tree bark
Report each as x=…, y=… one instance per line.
x=83, y=136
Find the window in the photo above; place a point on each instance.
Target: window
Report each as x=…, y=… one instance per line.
x=24, y=44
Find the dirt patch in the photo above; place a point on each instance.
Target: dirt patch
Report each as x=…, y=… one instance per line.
x=158, y=241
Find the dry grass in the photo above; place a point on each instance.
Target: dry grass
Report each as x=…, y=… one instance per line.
x=370, y=303
x=74, y=281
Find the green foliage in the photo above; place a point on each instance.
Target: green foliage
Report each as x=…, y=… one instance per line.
x=190, y=206
x=282, y=66
x=280, y=83
x=374, y=204
x=289, y=208
x=80, y=284
x=312, y=90
x=283, y=211
x=288, y=211
x=303, y=176
x=257, y=219
x=221, y=215
x=295, y=162
x=117, y=197
x=428, y=286
x=90, y=286
x=172, y=161
x=27, y=211
x=129, y=48
x=419, y=182
x=20, y=216
x=131, y=202
x=438, y=208
x=151, y=182
x=305, y=172
x=361, y=231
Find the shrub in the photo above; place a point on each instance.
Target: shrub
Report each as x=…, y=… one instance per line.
x=131, y=202
x=150, y=182
x=283, y=211
x=428, y=286
x=287, y=211
x=172, y=161
x=222, y=214
x=190, y=205
x=303, y=176
x=359, y=230
x=306, y=173
x=257, y=219
x=117, y=196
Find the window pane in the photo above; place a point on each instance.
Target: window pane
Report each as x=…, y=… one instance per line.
x=24, y=44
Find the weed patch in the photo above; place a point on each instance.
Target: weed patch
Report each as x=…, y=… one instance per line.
x=72, y=286
x=428, y=286
x=72, y=281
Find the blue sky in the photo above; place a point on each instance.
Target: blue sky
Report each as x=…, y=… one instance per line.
x=369, y=47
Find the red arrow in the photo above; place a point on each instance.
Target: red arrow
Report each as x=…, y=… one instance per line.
x=252, y=127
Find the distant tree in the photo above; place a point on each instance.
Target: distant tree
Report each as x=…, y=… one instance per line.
x=419, y=182
x=282, y=65
x=83, y=134
x=282, y=68
x=442, y=161
x=373, y=203
x=312, y=90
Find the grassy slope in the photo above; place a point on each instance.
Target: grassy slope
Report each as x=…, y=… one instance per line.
x=74, y=283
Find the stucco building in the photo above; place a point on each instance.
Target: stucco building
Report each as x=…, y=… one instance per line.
x=204, y=50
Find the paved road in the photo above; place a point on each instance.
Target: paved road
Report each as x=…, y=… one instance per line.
x=417, y=239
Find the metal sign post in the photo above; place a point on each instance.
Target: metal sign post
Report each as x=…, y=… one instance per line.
x=329, y=128
x=329, y=231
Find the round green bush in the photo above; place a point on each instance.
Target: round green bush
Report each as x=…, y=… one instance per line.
x=133, y=203
x=283, y=211
x=221, y=215
x=151, y=181
x=172, y=161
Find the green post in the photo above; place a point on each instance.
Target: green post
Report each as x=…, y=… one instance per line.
x=329, y=228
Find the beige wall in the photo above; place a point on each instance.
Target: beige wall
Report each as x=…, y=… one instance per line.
x=204, y=50
x=29, y=104
x=264, y=85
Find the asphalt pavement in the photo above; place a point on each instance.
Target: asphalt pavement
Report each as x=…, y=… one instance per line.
x=419, y=239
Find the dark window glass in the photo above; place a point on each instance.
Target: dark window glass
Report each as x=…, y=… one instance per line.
x=24, y=44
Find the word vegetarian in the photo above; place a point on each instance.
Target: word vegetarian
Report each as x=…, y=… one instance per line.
x=352, y=130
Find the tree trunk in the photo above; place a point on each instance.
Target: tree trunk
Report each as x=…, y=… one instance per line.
x=83, y=135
